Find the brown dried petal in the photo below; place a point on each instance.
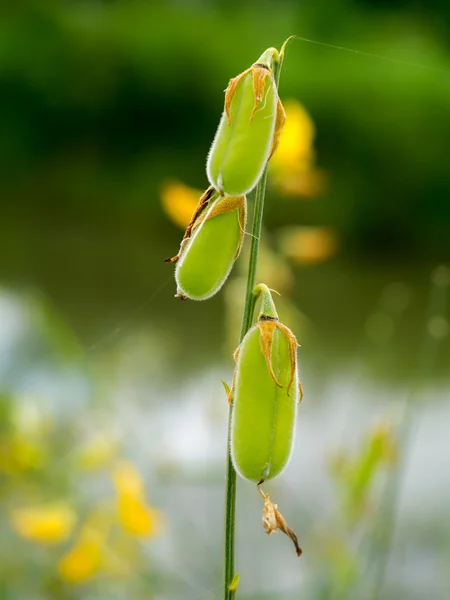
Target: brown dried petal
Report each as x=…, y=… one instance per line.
x=266, y=328
x=195, y=221
x=279, y=124
x=259, y=78
x=227, y=204
x=292, y=351
x=259, y=75
x=272, y=520
x=231, y=90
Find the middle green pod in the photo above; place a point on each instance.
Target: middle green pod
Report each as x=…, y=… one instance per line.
x=207, y=256
x=265, y=397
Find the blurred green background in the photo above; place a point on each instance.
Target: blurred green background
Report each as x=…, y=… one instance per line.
x=110, y=397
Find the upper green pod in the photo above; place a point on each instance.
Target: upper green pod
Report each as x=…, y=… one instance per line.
x=211, y=244
x=248, y=130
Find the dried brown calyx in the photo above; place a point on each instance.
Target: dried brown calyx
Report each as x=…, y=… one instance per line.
x=217, y=205
x=273, y=520
x=267, y=326
x=260, y=73
x=203, y=202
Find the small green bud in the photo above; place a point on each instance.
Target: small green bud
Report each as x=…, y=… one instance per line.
x=249, y=129
x=211, y=244
x=265, y=394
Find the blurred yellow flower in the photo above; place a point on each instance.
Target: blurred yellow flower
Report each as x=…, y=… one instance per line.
x=97, y=454
x=292, y=165
x=127, y=479
x=295, y=151
x=47, y=525
x=308, y=245
x=134, y=514
x=84, y=559
x=179, y=202
x=308, y=184
x=137, y=517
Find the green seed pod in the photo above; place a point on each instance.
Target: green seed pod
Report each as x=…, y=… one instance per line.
x=265, y=394
x=212, y=243
x=249, y=129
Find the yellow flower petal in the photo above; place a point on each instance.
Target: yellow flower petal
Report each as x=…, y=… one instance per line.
x=295, y=152
x=47, y=525
x=179, y=202
x=137, y=518
x=307, y=184
x=127, y=479
x=308, y=245
x=84, y=559
x=97, y=454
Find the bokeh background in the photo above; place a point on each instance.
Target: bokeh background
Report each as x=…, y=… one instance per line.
x=112, y=415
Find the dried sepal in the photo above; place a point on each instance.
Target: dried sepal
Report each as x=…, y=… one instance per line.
x=263, y=418
x=273, y=520
x=259, y=73
x=231, y=90
x=194, y=222
x=279, y=124
x=293, y=345
x=181, y=296
x=266, y=329
x=301, y=393
x=233, y=382
x=267, y=322
x=227, y=204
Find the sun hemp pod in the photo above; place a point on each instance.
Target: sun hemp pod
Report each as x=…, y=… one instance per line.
x=211, y=244
x=249, y=129
x=265, y=394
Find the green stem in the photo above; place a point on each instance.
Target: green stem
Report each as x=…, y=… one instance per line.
x=247, y=317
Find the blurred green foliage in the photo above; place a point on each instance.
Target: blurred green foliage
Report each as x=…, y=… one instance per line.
x=100, y=101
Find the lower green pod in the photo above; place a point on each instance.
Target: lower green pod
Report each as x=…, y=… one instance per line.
x=214, y=243
x=265, y=394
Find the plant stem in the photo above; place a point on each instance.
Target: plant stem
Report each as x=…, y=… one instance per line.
x=247, y=317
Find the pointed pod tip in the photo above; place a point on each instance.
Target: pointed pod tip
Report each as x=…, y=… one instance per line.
x=267, y=310
x=268, y=57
